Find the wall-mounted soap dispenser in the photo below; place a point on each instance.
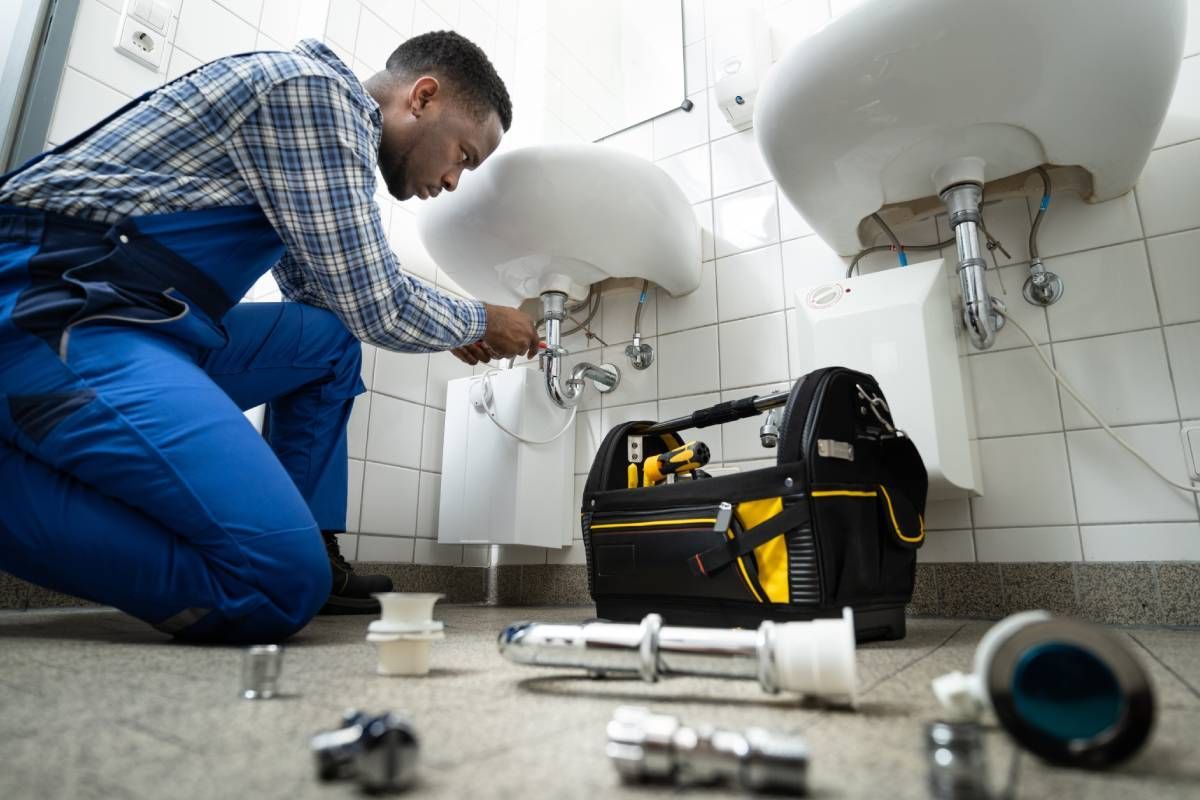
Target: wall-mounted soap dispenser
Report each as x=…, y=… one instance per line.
x=741, y=56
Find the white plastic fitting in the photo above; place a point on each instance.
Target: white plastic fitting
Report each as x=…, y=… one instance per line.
x=817, y=657
x=405, y=632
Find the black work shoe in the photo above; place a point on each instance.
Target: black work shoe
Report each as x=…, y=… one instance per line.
x=350, y=593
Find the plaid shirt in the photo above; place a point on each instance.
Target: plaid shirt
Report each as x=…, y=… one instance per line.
x=292, y=132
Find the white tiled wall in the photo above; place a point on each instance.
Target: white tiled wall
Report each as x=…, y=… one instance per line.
x=1056, y=488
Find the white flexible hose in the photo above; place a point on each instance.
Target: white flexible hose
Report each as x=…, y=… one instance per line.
x=489, y=407
x=1087, y=407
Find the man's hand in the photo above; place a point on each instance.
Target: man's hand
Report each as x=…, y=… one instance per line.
x=510, y=332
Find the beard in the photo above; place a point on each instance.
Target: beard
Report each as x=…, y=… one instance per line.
x=395, y=176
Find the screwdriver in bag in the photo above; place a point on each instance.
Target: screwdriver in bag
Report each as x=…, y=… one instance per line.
x=684, y=458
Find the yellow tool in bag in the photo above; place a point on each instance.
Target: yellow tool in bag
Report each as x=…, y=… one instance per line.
x=834, y=523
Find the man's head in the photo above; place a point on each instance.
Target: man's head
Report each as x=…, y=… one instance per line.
x=444, y=110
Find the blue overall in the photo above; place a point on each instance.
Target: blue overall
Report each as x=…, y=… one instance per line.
x=128, y=474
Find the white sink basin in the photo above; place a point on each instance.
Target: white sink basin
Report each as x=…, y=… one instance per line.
x=560, y=217
x=860, y=114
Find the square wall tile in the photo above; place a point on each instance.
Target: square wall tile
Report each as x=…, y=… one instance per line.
x=1014, y=393
x=611, y=417
x=376, y=40
x=681, y=130
x=1175, y=262
x=753, y=351
x=688, y=362
x=737, y=164
x=791, y=224
x=443, y=368
x=695, y=76
x=426, y=551
x=81, y=101
x=693, y=309
x=1025, y=482
x=388, y=549
x=637, y=385
x=739, y=440
x=517, y=554
x=341, y=27
x=589, y=432
x=745, y=220
x=1113, y=486
x=693, y=21
x=477, y=555
x=750, y=284
x=1183, y=115
x=429, y=495
x=1059, y=543
x=1183, y=348
x=1108, y=291
x=395, y=432
x=401, y=375
x=690, y=170
x=1166, y=192
x=1123, y=377
x=682, y=406
x=433, y=431
x=389, y=500
x=638, y=141
x=809, y=262
x=208, y=31
x=949, y=514
x=947, y=546
x=1163, y=541
x=354, y=491
x=576, y=504
x=1072, y=224
x=356, y=429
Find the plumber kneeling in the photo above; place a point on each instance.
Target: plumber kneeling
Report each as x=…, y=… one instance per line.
x=128, y=472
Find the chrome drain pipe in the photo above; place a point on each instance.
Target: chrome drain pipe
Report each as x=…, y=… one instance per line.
x=807, y=657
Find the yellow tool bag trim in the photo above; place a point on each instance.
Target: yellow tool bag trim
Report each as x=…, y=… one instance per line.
x=770, y=558
x=913, y=540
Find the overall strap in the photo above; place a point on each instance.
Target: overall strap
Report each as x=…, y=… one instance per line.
x=715, y=558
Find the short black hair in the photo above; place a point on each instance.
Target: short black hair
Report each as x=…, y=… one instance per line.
x=458, y=60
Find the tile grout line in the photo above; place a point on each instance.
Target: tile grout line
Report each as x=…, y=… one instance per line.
x=915, y=661
x=1165, y=665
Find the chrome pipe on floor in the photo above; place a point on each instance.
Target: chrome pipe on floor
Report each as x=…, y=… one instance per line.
x=808, y=657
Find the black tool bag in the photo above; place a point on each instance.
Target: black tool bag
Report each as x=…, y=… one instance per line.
x=837, y=522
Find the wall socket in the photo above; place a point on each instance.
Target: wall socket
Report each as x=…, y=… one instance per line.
x=142, y=31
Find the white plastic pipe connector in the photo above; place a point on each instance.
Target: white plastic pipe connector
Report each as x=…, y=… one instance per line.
x=817, y=658
x=405, y=632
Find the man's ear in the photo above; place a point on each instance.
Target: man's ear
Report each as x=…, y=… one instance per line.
x=423, y=90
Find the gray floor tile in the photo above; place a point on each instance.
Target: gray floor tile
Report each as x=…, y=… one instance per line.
x=95, y=704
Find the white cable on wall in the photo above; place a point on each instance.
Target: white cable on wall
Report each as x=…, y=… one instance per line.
x=489, y=407
x=1088, y=408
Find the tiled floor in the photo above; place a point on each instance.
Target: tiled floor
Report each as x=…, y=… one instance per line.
x=96, y=705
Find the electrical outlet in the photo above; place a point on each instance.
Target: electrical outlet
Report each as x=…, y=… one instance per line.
x=142, y=32
x=1191, y=450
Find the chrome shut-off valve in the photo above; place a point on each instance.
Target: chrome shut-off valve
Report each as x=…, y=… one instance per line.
x=646, y=747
